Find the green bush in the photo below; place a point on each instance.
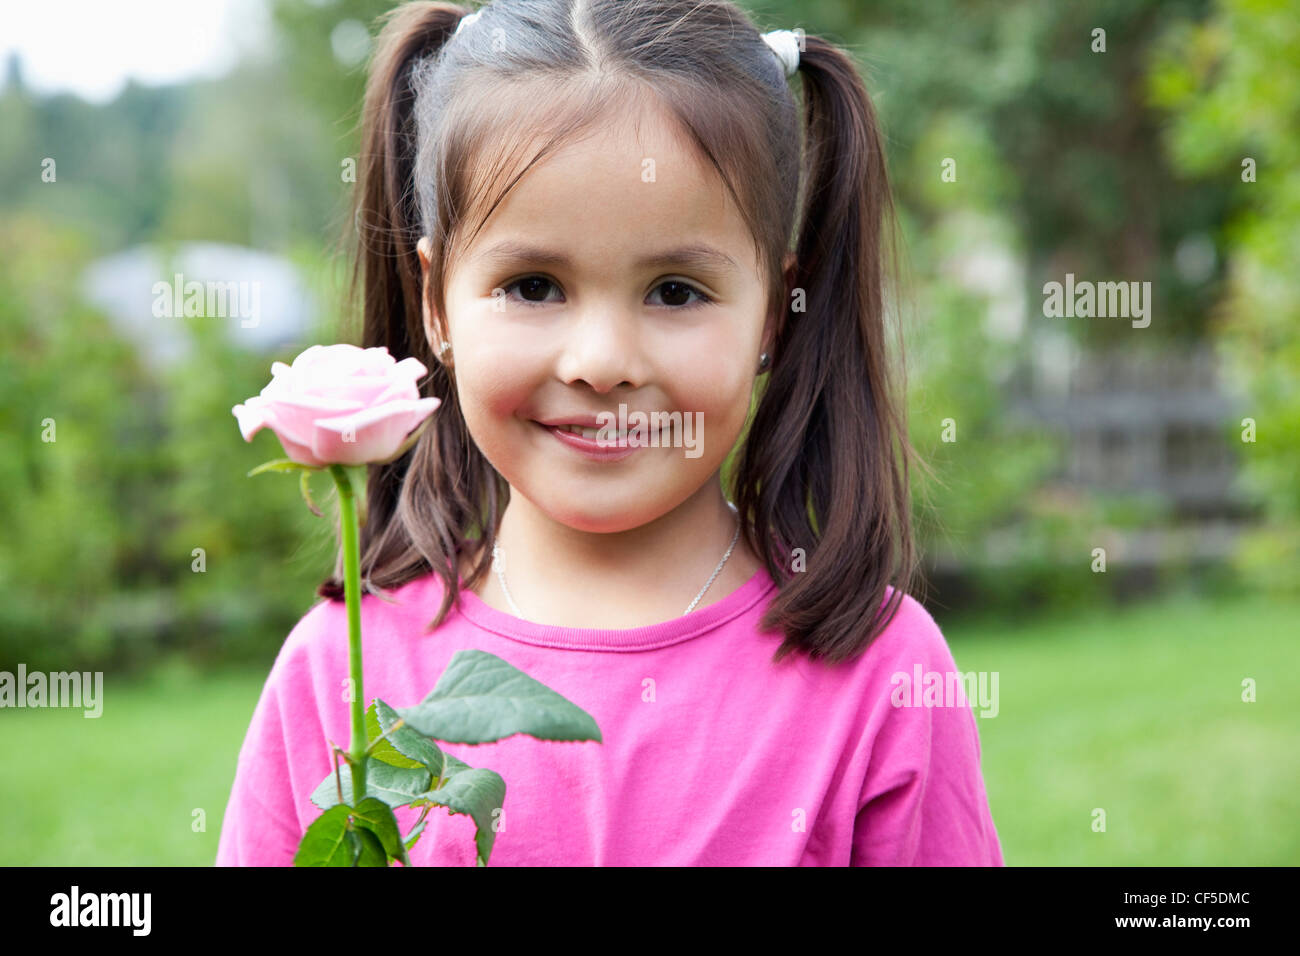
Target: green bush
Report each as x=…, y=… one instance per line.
x=101, y=523
x=1231, y=88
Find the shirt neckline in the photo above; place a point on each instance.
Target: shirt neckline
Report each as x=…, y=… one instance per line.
x=646, y=637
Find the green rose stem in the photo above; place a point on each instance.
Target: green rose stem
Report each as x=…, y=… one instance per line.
x=352, y=594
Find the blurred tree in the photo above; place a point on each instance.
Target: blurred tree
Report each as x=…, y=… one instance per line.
x=253, y=169
x=324, y=49
x=1231, y=86
x=71, y=444
x=1056, y=136
x=112, y=478
x=111, y=160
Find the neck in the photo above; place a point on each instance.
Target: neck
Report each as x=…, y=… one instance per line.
x=607, y=568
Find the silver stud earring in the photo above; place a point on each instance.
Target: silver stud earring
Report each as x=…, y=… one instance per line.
x=762, y=361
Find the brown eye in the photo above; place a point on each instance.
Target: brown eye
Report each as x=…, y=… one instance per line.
x=677, y=294
x=532, y=289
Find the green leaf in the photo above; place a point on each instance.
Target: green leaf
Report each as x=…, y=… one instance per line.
x=282, y=465
x=414, y=834
x=371, y=852
x=384, y=750
x=395, y=786
x=454, y=764
x=451, y=767
x=326, y=841
x=417, y=749
x=354, y=846
x=480, y=698
x=377, y=817
x=305, y=486
x=477, y=792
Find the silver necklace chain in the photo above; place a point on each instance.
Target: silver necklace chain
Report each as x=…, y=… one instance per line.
x=499, y=564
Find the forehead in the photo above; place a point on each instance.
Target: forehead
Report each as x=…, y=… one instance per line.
x=629, y=177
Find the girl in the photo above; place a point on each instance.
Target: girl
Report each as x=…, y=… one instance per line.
x=572, y=209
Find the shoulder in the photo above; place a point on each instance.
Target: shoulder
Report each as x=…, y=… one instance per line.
x=917, y=705
x=323, y=624
x=319, y=622
x=322, y=631
x=911, y=636
x=910, y=642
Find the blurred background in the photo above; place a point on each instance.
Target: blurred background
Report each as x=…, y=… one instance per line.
x=1114, y=520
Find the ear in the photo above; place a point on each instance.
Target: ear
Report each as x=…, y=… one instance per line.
x=780, y=309
x=787, y=266
x=432, y=329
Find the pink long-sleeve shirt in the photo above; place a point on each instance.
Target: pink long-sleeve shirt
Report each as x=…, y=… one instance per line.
x=711, y=754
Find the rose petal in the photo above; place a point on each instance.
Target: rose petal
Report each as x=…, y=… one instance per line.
x=251, y=419
x=410, y=367
x=400, y=390
x=362, y=389
x=294, y=416
x=331, y=389
x=346, y=376
x=339, y=360
x=378, y=432
x=308, y=356
x=299, y=453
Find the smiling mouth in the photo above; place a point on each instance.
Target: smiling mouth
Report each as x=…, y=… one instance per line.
x=594, y=433
x=617, y=444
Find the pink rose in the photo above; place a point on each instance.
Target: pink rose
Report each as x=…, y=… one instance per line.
x=339, y=405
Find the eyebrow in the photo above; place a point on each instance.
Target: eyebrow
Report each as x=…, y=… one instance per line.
x=693, y=256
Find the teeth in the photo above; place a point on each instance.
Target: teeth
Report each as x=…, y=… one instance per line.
x=591, y=433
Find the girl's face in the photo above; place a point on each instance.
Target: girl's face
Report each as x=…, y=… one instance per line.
x=617, y=271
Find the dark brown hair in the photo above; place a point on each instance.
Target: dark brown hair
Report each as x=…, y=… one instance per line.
x=824, y=464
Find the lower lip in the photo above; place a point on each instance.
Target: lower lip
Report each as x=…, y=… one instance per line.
x=589, y=448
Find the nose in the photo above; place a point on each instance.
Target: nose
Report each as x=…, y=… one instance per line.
x=602, y=347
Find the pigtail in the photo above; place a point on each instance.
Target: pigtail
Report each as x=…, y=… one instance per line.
x=387, y=268
x=825, y=466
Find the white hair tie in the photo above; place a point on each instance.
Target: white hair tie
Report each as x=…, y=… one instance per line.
x=467, y=20
x=785, y=44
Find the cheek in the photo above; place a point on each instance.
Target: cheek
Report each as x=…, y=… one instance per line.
x=499, y=375
x=719, y=388
x=494, y=381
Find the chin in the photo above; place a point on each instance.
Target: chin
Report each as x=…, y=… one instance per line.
x=596, y=517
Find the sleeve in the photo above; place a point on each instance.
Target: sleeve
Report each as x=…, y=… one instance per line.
x=923, y=802
x=261, y=823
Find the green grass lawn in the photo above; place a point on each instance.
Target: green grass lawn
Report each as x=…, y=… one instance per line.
x=1136, y=711
x=121, y=789
x=1139, y=712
